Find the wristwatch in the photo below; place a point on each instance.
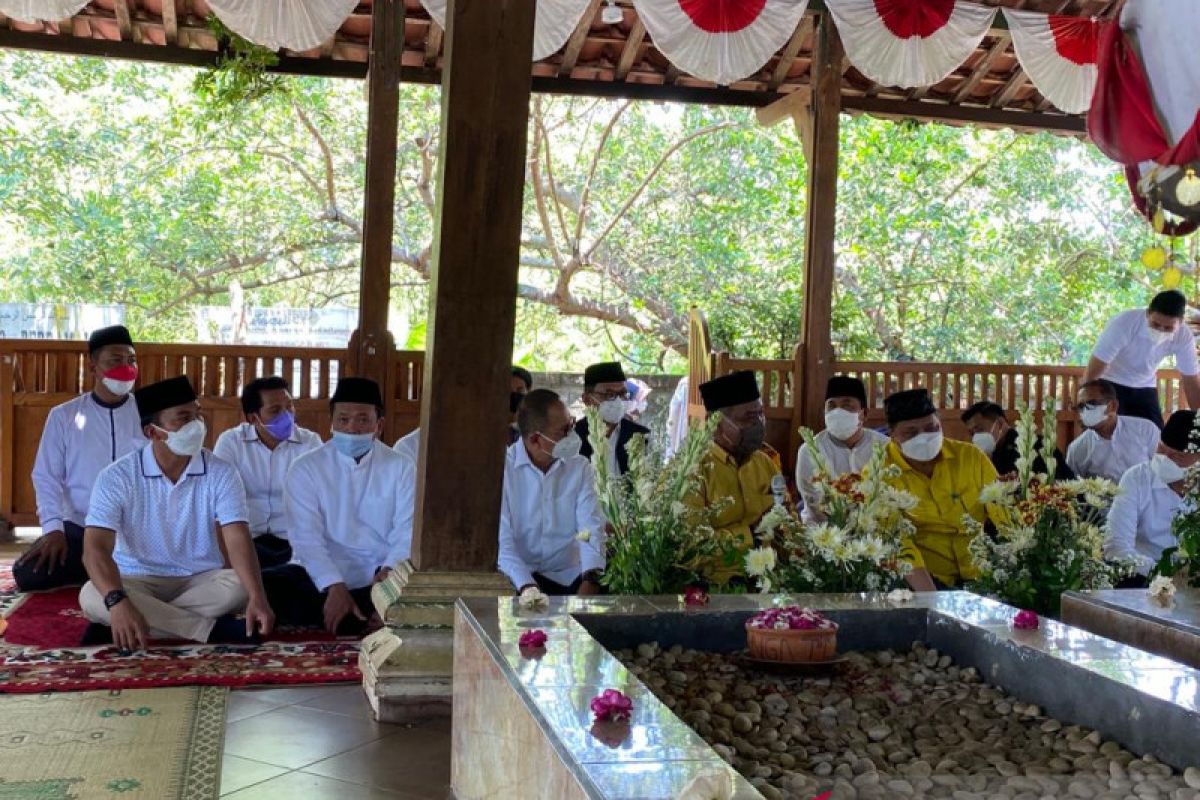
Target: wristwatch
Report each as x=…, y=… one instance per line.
x=114, y=597
x=592, y=576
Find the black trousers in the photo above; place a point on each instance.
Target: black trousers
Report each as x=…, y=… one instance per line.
x=71, y=573
x=1142, y=403
x=297, y=601
x=272, y=551
x=555, y=589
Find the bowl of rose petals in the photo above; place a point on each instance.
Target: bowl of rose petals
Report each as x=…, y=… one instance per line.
x=791, y=635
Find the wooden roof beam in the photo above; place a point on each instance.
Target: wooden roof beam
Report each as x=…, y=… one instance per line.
x=433, y=43
x=803, y=30
x=576, y=42
x=170, y=20
x=633, y=45
x=980, y=116
x=124, y=20
x=982, y=68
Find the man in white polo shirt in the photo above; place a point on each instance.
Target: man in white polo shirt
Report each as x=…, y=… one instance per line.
x=1112, y=443
x=150, y=547
x=263, y=449
x=81, y=437
x=1132, y=346
x=350, y=510
x=549, y=499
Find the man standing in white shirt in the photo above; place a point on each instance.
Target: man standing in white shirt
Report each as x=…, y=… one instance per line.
x=81, y=437
x=1132, y=346
x=350, y=512
x=262, y=449
x=155, y=564
x=1112, y=443
x=845, y=445
x=1152, y=494
x=552, y=532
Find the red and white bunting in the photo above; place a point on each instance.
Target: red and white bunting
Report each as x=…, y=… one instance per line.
x=1059, y=55
x=908, y=43
x=277, y=24
x=39, y=10
x=553, y=24
x=722, y=41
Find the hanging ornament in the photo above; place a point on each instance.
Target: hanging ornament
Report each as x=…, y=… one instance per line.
x=1154, y=258
x=611, y=15
x=1172, y=277
x=1159, y=220
x=1188, y=189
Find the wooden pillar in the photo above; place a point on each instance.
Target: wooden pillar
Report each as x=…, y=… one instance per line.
x=464, y=410
x=371, y=346
x=821, y=223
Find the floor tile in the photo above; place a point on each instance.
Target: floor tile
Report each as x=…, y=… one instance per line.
x=303, y=786
x=289, y=695
x=243, y=705
x=293, y=737
x=238, y=773
x=415, y=760
x=349, y=701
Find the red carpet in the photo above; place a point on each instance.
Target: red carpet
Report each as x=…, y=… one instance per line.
x=40, y=652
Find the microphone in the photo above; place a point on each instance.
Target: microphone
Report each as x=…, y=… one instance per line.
x=779, y=490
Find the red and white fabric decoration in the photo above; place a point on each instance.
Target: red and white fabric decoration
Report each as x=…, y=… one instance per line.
x=722, y=41
x=39, y=10
x=278, y=24
x=909, y=43
x=554, y=22
x=1059, y=55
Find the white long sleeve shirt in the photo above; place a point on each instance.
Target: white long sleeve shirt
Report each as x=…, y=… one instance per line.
x=264, y=472
x=1133, y=358
x=541, y=516
x=1139, y=521
x=347, y=519
x=81, y=437
x=409, y=444
x=840, y=459
x=1134, y=441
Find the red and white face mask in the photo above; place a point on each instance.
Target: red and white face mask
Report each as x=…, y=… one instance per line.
x=120, y=380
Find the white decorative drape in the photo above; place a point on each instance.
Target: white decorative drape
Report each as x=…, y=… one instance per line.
x=1059, y=55
x=722, y=41
x=909, y=43
x=278, y=24
x=553, y=24
x=38, y=10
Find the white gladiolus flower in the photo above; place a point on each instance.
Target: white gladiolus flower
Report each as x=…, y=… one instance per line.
x=1162, y=590
x=760, y=561
x=997, y=492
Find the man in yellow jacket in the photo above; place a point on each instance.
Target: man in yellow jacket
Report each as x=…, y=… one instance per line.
x=736, y=473
x=947, y=478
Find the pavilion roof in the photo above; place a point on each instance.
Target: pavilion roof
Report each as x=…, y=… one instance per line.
x=989, y=89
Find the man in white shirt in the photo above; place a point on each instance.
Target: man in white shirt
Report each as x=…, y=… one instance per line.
x=519, y=385
x=1152, y=494
x=552, y=532
x=155, y=563
x=1132, y=346
x=1112, y=443
x=677, y=417
x=845, y=445
x=605, y=389
x=262, y=449
x=350, y=512
x=81, y=437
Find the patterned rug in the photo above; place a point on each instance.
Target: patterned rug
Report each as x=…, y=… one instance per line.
x=124, y=743
x=40, y=653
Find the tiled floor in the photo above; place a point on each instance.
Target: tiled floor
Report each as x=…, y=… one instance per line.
x=320, y=742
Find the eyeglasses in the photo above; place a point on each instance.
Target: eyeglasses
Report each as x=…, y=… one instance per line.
x=1093, y=404
x=603, y=396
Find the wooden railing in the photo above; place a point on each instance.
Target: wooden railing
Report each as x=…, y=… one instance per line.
x=36, y=375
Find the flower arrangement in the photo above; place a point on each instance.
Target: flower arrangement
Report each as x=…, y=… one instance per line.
x=532, y=599
x=1183, y=560
x=791, y=618
x=1026, y=621
x=1162, y=591
x=1053, y=532
x=532, y=640
x=611, y=706
x=856, y=548
x=695, y=596
x=657, y=542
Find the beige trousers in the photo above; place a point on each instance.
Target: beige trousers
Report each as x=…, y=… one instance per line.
x=174, y=608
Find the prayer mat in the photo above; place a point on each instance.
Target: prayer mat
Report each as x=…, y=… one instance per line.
x=162, y=743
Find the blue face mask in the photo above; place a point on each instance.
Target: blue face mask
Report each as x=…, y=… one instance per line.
x=353, y=445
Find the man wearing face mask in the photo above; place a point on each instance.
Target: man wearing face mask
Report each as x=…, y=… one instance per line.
x=81, y=437
x=156, y=569
x=1152, y=495
x=604, y=388
x=845, y=445
x=350, y=509
x=946, y=477
x=1112, y=443
x=549, y=501
x=262, y=450
x=992, y=434
x=737, y=471
x=1133, y=345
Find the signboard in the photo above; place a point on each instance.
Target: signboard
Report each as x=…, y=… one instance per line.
x=282, y=327
x=56, y=320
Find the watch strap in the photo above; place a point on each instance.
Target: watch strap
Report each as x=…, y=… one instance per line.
x=114, y=597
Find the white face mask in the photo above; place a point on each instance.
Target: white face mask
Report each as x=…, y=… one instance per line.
x=1091, y=416
x=842, y=424
x=1156, y=336
x=985, y=442
x=923, y=446
x=612, y=411
x=1166, y=469
x=566, y=447
x=188, y=440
